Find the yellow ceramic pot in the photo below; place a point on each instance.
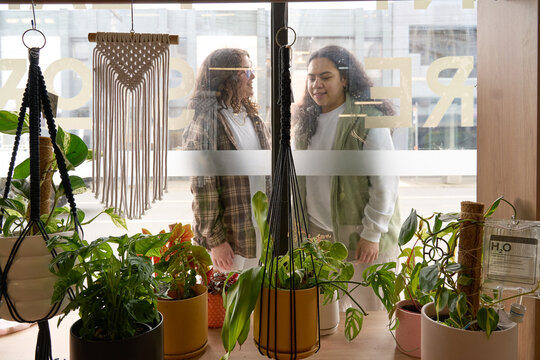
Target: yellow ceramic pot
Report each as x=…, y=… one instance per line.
x=306, y=334
x=185, y=325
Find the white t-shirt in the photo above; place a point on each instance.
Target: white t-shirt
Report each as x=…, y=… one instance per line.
x=382, y=189
x=246, y=138
x=318, y=187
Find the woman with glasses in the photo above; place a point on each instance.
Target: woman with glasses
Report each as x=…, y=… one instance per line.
x=226, y=118
x=359, y=211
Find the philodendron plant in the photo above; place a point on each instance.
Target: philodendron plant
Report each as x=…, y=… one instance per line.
x=431, y=272
x=16, y=207
x=329, y=269
x=112, y=282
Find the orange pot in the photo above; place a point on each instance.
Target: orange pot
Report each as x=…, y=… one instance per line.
x=307, y=323
x=185, y=325
x=216, y=311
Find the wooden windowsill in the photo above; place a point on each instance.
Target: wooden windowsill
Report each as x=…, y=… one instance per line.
x=374, y=342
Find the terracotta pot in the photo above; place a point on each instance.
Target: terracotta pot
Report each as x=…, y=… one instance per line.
x=30, y=284
x=216, y=311
x=408, y=331
x=442, y=342
x=146, y=346
x=185, y=324
x=264, y=324
x=329, y=314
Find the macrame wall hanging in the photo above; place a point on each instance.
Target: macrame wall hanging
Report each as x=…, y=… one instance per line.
x=130, y=115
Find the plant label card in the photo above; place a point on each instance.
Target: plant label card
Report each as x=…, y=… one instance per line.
x=53, y=98
x=512, y=259
x=511, y=254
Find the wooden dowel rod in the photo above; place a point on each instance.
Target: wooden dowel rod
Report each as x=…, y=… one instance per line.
x=173, y=39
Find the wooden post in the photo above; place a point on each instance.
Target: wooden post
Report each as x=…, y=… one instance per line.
x=470, y=251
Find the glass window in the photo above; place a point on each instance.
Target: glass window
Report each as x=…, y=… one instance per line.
x=420, y=59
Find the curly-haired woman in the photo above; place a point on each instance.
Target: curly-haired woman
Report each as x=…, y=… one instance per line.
x=225, y=118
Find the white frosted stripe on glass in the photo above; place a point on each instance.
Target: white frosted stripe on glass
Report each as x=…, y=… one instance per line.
x=258, y=162
x=209, y=163
x=399, y=162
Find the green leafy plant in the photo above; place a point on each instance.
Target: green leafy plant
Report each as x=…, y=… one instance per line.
x=59, y=219
x=178, y=264
x=391, y=285
x=328, y=268
x=114, y=292
x=430, y=272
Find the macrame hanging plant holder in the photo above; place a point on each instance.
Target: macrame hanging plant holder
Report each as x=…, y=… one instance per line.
x=130, y=114
x=286, y=309
x=19, y=293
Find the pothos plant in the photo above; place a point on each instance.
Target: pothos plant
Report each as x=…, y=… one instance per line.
x=179, y=263
x=112, y=289
x=59, y=219
x=329, y=269
x=431, y=272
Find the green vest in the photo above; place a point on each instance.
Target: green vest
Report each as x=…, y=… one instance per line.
x=349, y=194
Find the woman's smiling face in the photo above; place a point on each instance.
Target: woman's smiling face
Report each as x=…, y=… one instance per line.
x=325, y=84
x=245, y=79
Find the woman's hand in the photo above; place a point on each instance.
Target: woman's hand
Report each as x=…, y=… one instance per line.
x=366, y=251
x=222, y=256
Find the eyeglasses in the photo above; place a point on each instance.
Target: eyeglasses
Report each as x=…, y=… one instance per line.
x=249, y=72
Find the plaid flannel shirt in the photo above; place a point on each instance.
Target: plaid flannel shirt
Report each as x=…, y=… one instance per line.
x=222, y=204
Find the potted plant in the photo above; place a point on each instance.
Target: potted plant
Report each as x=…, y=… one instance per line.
x=328, y=270
x=397, y=286
x=453, y=325
x=29, y=268
x=218, y=282
x=112, y=287
x=182, y=299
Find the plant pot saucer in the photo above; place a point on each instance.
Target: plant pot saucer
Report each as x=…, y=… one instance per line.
x=287, y=356
x=329, y=331
x=190, y=355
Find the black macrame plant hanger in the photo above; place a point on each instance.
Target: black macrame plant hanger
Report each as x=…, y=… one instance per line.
x=285, y=212
x=35, y=96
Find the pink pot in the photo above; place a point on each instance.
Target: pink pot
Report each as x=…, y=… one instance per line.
x=408, y=331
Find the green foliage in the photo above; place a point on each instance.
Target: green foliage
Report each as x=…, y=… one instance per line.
x=435, y=277
x=60, y=219
x=113, y=292
x=316, y=261
x=178, y=264
x=9, y=121
x=240, y=300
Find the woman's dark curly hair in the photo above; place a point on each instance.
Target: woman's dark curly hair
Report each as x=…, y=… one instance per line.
x=358, y=84
x=217, y=78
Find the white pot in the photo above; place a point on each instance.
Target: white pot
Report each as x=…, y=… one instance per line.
x=329, y=316
x=30, y=284
x=441, y=342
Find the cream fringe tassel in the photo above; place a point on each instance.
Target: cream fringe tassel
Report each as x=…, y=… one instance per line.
x=131, y=82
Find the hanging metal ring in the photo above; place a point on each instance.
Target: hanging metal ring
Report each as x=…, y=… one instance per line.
x=42, y=34
x=280, y=30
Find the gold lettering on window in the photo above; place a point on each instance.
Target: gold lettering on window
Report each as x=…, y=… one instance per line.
x=402, y=92
x=455, y=88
